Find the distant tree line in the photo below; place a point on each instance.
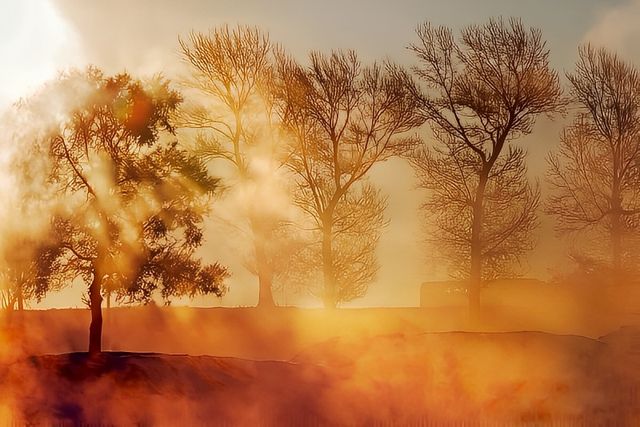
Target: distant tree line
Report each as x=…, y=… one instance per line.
x=126, y=170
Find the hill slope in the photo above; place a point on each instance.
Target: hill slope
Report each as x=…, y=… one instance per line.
x=439, y=378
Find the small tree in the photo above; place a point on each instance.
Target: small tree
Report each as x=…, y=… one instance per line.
x=30, y=251
x=343, y=120
x=133, y=199
x=595, y=175
x=231, y=69
x=481, y=93
x=26, y=266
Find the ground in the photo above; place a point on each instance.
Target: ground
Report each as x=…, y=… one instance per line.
x=396, y=366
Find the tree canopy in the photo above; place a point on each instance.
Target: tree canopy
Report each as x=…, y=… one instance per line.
x=133, y=199
x=343, y=119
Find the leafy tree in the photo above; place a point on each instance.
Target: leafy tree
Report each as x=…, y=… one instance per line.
x=134, y=200
x=343, y=119
x=482, y=93
x=595, y=175
x=26, y=266
x=231, y=70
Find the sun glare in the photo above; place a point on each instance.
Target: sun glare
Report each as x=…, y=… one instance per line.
x=36, y=43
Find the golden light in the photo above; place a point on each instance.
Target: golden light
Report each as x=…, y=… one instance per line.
x=36, y=43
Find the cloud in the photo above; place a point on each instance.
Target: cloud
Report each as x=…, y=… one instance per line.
x=37, y=42
x=617, y=29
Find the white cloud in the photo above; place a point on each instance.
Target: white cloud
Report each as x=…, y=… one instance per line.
x=36, y=43
x=617, y=29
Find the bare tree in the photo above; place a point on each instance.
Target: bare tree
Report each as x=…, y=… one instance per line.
x=343, y=119
x=232, y=70
x=510, y=204
x=482, y=92
x=595, y=175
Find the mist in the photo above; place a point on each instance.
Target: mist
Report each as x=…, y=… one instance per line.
x=320, y=214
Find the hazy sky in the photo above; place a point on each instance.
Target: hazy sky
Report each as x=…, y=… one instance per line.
x=40, y=37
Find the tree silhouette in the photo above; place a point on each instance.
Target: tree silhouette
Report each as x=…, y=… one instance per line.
x=232, y=70
x=133, y=199
x=482, y=92
x=27, y=265
x=29, y=253
x=343, y=119
x=595, y=175
x=509, y=208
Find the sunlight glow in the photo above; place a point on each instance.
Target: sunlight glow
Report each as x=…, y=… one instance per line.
x=36, y=43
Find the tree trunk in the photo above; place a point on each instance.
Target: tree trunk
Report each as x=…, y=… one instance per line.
x=106, y=323
x=475, y=277
x=260, y=235
x=616, y=219
x=95, y=300
x=330, y=294
x=20, y=298
x=265, y=293
x=616, y=239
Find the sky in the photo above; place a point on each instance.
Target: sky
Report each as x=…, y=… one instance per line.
x=43, y=37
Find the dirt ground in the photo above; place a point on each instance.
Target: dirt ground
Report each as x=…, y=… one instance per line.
x=385, y=366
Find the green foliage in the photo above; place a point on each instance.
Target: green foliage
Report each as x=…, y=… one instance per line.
x=134, y=200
